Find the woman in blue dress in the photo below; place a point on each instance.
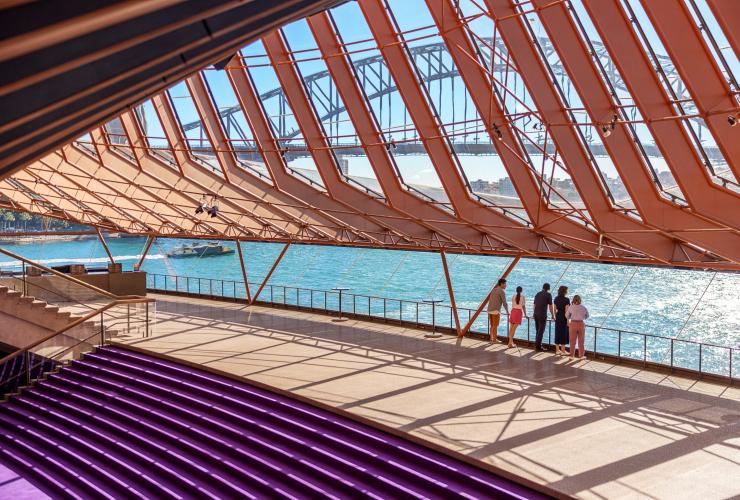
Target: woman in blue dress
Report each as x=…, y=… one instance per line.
x=561, y=304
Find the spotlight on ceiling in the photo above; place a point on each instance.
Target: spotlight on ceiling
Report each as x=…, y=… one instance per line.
x=732, y=120
x=606, y=130
x=213, y=211
x=199, y=209
x=497, y=131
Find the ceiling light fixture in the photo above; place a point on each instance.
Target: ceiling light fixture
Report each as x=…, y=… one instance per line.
x=732, y=120
x=497, y=131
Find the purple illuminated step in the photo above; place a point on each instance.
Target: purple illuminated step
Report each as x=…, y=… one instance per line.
x=120, y=423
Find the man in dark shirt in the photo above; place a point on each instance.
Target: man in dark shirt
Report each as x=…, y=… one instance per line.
x=542, y=300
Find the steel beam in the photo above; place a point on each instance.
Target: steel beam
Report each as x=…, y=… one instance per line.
x=244, y=271
x=269, y=274
x=433, y=137
x=656, y=211
x=105, y=245
x=450, y=291
x=699, y=72
x=704, y=196
x=464, y=55
x=482, y=305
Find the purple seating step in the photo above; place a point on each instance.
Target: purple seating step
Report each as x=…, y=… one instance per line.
x=122, y=424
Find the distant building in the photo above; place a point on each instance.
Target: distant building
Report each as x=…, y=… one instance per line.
x=343, y=165
x=506, y=187
x=480, y=186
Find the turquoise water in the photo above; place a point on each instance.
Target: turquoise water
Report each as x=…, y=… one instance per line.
x=648, y=300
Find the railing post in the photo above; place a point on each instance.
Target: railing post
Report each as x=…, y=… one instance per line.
x=644, y=350
x=700, y=354
x=596, y=333
x=619, y=344
x=146, y=325
x=671, y=355
x=25, y=284
x=102, y=329
x=27, y=360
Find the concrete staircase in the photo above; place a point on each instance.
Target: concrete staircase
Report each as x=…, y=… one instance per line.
x=26, y=319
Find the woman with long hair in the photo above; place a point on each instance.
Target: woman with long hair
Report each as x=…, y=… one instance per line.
x=562, y=304
x=577, y=315
x=518, y=310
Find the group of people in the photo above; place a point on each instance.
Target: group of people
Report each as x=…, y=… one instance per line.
x=569, y=316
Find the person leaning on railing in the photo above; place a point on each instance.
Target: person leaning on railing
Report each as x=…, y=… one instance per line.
x=577, y=315
x=496, y=300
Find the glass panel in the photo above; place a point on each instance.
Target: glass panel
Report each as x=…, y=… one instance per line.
x=153, y=132
x=192, y=127
x=722, y=51
x=414, y=166
x=538, y=150
x=450, y=101
x=284, y=126
x=329, y=107
x=85, y=142
x=683, y=102
x=118, y=139
x=234, y=123
x=629, y=112
x=590, y=138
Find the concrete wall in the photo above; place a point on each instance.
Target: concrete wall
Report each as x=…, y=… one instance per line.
x=51, y=288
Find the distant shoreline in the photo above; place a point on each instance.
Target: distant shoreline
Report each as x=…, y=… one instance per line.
x=54, y=237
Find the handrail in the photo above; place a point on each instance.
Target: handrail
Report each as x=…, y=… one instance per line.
x=616, y=338
x=61, y=275
x=78, y=321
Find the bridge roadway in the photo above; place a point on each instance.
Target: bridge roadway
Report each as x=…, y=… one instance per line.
x=589, y=429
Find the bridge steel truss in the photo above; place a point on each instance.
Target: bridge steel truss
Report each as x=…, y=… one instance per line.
x=120, y=182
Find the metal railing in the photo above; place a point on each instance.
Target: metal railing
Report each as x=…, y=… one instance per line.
x=674, y=353
x=121, y=317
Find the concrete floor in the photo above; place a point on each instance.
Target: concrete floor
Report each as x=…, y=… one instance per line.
x=590, y=429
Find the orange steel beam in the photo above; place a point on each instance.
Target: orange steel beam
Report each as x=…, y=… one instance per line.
x=450, y=291
x=272, y=270
x=212, y=124
x=655, y=210
x=437, y=146
x=23, y=200
x=303, y=217
x=172, y=195
x=590, y=188
x=236, y=206
x=699, y=71
x=147, y=246
x=704, y=196
x=96, y=184
x=464, y=55
x=53, y=169
x=105, y=245
x=127, y=178
x=244, y=271
x=323, y=156
x=482, y=305
x=205, y=181
x=86, y=213
x=365, y=124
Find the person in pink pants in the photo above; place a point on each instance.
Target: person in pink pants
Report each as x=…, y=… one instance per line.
x=577, y=315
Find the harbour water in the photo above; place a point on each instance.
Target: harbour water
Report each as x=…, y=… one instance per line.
x=694, y=305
